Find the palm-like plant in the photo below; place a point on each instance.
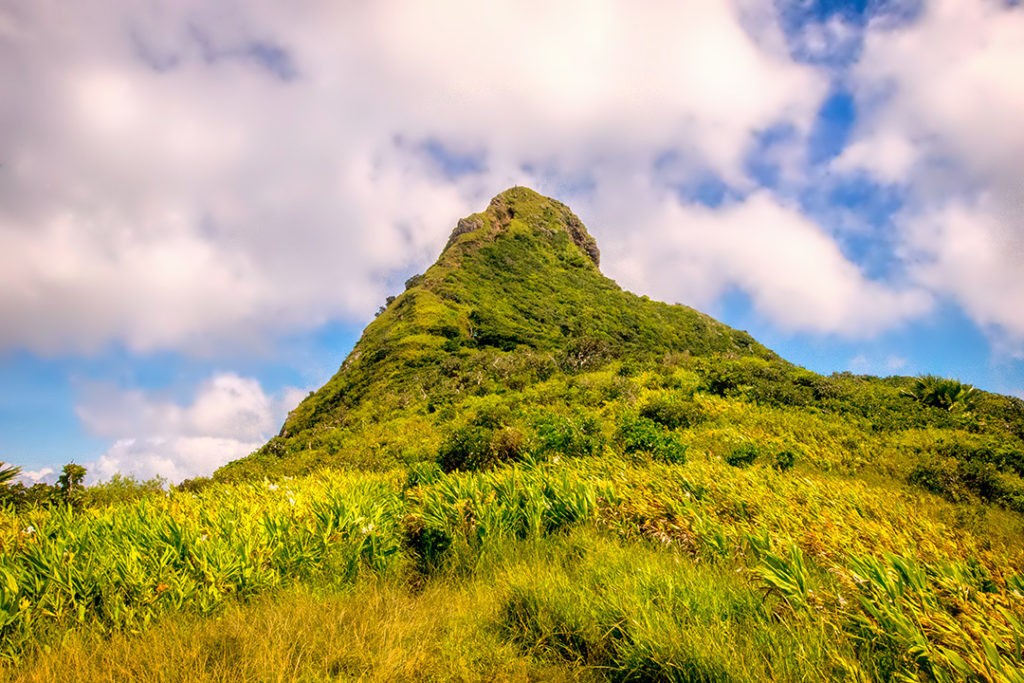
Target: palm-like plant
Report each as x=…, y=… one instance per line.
x=8, y=473
x=947, y=394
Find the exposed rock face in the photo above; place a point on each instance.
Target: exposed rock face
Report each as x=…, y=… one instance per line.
x=582, y=238
x=468, y=224
x=501, y=208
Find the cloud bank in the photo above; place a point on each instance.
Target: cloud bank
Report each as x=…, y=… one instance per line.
x=186, y=178
x=229, y=417
x=942, y=105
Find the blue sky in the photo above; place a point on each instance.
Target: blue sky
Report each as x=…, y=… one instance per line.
x=202, y=205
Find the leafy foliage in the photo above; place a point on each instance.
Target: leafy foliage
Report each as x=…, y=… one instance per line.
x=573, y=437
x=939, y=392
x=743, y=455
x=643, y=435
x=785, y=459
x=8, y=473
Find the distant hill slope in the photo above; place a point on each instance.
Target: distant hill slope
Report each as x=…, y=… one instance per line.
x=514, y=334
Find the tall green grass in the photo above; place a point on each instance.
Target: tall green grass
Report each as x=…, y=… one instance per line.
x=622, y=569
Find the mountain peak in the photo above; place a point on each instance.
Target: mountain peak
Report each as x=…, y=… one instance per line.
x=532, y=210
x=516, y=298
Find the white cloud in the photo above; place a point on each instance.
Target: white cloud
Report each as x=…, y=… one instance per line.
x=164, y=187
x=946, y=84
x=942, y=102
x=890, y=157
x=792, y=269
x=43, y=474
x=229, y=417
x=834, y=40
x=976, y=256
x=863, y=365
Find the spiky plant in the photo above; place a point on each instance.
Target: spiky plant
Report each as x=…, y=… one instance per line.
x=940, y=392
x=8, y=473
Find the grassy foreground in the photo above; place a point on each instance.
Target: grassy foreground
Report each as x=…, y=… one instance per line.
x=586, y=568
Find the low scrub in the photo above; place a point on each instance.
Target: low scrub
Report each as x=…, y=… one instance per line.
x=638, y=434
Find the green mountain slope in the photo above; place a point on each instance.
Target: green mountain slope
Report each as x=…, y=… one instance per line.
x=517, y=287
x=513, y=345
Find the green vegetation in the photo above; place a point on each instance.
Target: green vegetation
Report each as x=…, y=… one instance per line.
x=595, y=565
x=939, y=392
x=522, y=472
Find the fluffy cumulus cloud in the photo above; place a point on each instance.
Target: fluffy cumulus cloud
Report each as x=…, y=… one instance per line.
x=229, y=417
x=43, y=474
x=794, y=271
x=188, y=176
x=942, y=104
x=192, y=177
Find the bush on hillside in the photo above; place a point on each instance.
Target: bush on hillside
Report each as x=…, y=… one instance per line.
x=1005, y=456
x=473, y=447
x=123, y=489
x=743, y=455
x=960, y=481
x=784, y=460
x=762, y=381
x=489, y=436
x=583, y=353
x=672, y=411
x=573, y=437
x=642, y=435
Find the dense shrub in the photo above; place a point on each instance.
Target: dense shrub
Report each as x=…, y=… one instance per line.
x=572, y=437
x=429, y=545
x=642, y=435
x=628, y=368
x=672, y=411
x=1005, y=456
x=743, y=455
x=583, y=353
x=122, y=489
x=959, y=481
x=475, y=447
x=772, y=382
x=784, y=460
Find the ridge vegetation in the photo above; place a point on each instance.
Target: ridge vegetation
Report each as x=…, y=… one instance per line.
x=523, y=472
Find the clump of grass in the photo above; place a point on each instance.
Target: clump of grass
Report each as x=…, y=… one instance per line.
x=640, y=614
x=743, y=455
x=376, y=631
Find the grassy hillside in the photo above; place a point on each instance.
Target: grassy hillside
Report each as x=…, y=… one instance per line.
x=513, y=345
x=591, y=567
x=522, y=472
x=515, y=298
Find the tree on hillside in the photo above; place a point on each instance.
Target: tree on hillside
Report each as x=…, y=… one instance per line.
x=71, y=484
